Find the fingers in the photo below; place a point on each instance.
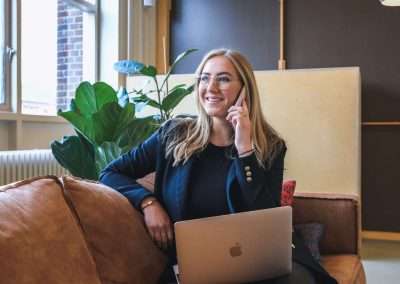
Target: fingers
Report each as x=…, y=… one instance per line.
x=236, y=114
x=159, y=226
x=161, y=237
x=164, y=237
x=170, y=235
x=238, y=111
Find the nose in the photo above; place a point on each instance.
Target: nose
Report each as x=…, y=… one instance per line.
x=212, y=85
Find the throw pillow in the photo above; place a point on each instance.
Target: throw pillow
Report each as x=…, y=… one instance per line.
x=115, y=233
x=312, y=234
x=288, y=187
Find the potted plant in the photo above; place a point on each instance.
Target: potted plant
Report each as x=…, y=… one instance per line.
x=105, y=121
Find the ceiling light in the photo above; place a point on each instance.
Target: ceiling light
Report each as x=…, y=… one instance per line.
x=390, y=2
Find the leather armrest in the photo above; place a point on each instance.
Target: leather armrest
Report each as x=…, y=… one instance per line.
x=338, y=212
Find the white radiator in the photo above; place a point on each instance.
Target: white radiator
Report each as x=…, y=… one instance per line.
x=23, y=164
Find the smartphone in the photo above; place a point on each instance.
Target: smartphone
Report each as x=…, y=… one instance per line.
x=241, y=97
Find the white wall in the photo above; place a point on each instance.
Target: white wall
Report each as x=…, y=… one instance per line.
x=38, y=135
x=3, y=135
x=317, y=111
x=22, y=132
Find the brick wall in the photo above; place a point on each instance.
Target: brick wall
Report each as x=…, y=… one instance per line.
x=69, y=53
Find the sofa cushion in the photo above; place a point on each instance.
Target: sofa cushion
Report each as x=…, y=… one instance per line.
x=340, y=215
x=115, y=233
x=345, y=268
x=40, y=240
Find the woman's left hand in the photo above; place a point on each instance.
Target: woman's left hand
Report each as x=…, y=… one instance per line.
x=239, y=117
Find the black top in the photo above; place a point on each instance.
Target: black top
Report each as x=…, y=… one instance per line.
x=206, y=194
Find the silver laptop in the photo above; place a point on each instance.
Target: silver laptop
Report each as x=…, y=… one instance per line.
x=235, y=248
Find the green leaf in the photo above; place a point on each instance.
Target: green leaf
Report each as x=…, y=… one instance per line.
x=105, y=121
x=177, y=60
x=81, y=123
x=175, y=97
x=137, y=131
x=149, y=71
x=90, y=98
x=109, y=122
x=107, y=152
x=74, y=155
x=145, y=99
x=72, y=106
x=104, y=94
x=126, y=116
x=176, y=87
x=85, y=99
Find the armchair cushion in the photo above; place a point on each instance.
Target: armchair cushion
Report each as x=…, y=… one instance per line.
x=336, y=212
x=115, y=233
x=40, y=240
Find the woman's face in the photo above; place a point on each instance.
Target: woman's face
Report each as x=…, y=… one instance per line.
x=219, y=86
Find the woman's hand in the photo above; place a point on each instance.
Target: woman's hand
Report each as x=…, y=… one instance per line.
x=239, y=117
x=158, y=224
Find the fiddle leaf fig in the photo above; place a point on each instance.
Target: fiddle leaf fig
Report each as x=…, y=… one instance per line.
x=73, y=154
x=105, y=153
x=105, y=121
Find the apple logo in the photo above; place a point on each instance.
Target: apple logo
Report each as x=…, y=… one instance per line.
x=236, y=250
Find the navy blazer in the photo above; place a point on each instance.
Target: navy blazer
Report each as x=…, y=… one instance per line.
x=262, y=190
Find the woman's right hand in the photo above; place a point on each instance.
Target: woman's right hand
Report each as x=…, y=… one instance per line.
x=158, y=224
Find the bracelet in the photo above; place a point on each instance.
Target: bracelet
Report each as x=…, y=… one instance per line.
x=148, y=203
x=246, y=153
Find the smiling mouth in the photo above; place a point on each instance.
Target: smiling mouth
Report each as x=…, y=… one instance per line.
x=214, y=99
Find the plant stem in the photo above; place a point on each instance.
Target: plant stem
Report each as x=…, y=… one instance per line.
x=159, y=99
x=167, y=92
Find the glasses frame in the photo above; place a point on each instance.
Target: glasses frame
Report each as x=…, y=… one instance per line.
x=213, y=79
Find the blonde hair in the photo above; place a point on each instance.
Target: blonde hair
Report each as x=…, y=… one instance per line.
x=189, y=136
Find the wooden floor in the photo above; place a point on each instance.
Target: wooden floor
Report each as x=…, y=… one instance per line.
x=381, y=260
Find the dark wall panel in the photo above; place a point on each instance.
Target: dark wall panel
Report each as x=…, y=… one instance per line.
x=250, y=26
x=350, y=33
x=380, y=179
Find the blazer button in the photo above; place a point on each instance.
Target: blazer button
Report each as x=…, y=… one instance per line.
x=248, y=174
x=247, y=168
x=249, y=179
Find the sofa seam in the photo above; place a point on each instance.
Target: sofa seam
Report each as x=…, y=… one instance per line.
x=78, y=221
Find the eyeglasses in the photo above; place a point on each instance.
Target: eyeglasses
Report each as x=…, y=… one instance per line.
x=223, y=82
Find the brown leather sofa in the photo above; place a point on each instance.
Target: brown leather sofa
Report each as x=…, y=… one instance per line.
x=67, y=230
x=340, y=244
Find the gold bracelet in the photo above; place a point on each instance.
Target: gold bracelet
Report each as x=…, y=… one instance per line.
x=148, y=203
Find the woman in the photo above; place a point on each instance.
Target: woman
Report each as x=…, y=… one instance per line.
x=227, y=160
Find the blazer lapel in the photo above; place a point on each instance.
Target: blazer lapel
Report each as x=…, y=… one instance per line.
x=228, y=187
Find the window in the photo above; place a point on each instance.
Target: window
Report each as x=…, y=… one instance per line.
x=5, y=53
x=58, y=40
x=2, y=48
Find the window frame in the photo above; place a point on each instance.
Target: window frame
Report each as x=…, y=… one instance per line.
x=13, y=92
x=9, y=53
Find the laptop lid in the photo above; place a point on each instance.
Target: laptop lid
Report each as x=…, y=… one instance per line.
x=235, y=248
